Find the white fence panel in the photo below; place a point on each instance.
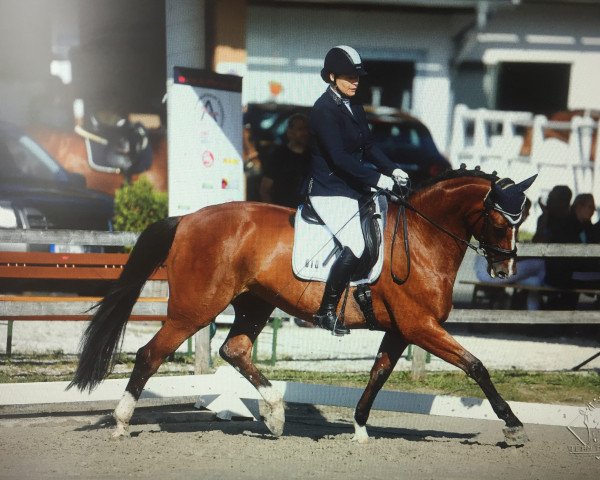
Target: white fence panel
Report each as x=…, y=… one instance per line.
x=493, y=140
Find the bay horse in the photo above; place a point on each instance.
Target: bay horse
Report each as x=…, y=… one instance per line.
x=69, y=149
x=240, y=253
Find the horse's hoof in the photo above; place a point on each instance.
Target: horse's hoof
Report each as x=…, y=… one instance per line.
x=515, y=436
x=275, y=425
x=360, y=433
x=362, y=439
x=120, y=432
x=275, y=420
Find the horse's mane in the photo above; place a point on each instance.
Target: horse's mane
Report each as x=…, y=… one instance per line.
x=458, y=173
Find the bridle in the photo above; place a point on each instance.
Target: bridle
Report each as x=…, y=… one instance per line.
x=492, y=253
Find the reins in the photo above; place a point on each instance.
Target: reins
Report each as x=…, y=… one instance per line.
x=483, y=249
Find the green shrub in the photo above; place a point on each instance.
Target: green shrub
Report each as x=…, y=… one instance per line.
x=137, y=205
x=525, y=236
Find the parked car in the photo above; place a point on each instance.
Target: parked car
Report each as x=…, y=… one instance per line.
x=407, y=142
x=404, y=138
x=43, y=194
x=37, y=193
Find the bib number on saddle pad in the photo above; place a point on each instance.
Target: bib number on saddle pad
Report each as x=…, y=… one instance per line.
x=313, y=244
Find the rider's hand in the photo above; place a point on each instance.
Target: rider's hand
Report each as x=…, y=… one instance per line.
x=385, y=183
x=400, y=177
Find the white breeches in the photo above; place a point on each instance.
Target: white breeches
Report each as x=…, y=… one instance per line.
x=341, y=216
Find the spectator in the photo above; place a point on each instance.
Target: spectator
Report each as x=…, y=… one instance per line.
x=574, y=273
x=553, y=213
x=252, y=165
x=530, y=271
x=286, y=168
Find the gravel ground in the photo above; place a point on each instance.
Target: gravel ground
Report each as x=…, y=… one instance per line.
x=315, y=444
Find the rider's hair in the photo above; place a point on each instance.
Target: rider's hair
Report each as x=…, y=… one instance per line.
x=296, y=117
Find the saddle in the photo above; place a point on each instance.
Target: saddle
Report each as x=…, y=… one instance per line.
x=369, y=219
x=122, y=146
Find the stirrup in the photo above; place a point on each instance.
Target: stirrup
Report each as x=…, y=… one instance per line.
x=329, y=321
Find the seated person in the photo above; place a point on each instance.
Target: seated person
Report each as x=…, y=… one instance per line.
x=553, y=214
x=286, y=169
x=530, y=271
x=574, y=272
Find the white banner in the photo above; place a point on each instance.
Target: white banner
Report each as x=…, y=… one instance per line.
x=205, y=140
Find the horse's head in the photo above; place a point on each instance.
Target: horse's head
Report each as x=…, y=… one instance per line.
x=503, y=213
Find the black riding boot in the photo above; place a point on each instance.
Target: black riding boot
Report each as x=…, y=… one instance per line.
x=338, y=279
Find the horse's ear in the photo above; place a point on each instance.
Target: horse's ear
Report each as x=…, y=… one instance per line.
x=525, y=184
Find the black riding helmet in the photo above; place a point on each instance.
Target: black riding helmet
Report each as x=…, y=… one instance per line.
x=342, y=60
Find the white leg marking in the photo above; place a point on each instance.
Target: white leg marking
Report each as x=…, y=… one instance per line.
x=513, y=244
x=275, y=416
x=360, y=433
x=123, y=414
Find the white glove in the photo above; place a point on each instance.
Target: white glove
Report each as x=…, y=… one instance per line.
x=385, y=182
x=400, y=177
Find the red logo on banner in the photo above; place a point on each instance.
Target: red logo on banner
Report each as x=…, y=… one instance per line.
x=208, y=158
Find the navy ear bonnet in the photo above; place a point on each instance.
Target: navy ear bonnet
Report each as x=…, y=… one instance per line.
x=509, y=198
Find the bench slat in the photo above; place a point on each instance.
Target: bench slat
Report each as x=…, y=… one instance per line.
x=75, y=266
x=50, y=258
x=70, y=273
x=61, y=273
x=520, y=286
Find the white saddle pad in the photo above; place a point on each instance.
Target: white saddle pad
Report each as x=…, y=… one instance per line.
x=314, y=243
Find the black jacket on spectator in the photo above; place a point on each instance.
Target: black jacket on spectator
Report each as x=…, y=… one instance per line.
x=344, y=160
x=560, y=270
x=288, y=171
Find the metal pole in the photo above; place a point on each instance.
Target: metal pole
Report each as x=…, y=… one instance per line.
x=577, y=367
x=9, y=338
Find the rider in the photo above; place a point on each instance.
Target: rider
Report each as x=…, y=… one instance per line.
x=345, y=166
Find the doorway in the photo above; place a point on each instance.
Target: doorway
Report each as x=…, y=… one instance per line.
x=540, y=88
x=388, y=83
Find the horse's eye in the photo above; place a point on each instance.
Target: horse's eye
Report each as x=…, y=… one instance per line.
x=499, y=231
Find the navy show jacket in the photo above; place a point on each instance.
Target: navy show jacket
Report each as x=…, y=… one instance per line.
x=344, y=160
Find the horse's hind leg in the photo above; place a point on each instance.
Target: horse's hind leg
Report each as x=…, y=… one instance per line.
x=147, y=360
x=390, y=351
x=435, y=339
x=251, y=315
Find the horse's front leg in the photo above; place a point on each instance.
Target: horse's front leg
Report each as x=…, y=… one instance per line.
x=390, y=350
x=436, y=340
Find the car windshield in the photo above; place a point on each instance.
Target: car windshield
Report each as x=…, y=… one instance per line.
x=23, y=158
x=391, y=137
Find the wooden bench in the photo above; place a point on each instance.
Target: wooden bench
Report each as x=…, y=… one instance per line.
x=55, y=306
x=51, y=268
x=490, y=293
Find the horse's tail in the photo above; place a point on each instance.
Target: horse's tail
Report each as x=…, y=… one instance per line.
x=99, y=342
